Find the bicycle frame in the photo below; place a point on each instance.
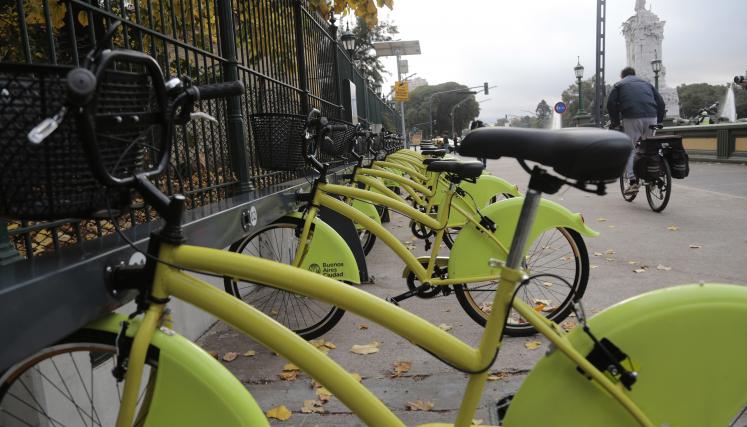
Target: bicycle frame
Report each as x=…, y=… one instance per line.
x=169, y=281
x=322, y=198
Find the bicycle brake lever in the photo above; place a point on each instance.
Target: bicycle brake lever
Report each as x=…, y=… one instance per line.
x=200, y=115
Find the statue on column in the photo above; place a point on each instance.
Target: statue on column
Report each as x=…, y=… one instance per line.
x=640, y=5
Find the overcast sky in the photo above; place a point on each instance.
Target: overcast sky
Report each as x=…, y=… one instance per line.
x=528, y=48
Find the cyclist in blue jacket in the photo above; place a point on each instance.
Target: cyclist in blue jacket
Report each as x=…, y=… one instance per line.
x=638, y=105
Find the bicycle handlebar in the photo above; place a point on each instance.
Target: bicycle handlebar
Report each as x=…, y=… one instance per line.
x=216, y=90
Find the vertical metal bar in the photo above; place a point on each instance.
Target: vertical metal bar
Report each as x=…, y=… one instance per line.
x=8, y=252
x=599, y=90
x=301, y=59
x=234, y=119
x=24, y=30
x=50, y=31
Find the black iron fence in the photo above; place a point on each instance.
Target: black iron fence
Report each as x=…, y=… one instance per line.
x=284, y=52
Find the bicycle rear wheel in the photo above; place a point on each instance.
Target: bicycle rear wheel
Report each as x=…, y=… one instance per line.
x=307, y=317
x=558, y=252
x=659, y=190
x=71, y=383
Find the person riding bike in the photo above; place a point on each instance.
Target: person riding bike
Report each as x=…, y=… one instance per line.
x=639, y=105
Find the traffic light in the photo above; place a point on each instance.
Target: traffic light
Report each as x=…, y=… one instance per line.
x=485, y=87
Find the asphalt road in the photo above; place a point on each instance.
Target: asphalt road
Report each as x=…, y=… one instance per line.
x=707, y=210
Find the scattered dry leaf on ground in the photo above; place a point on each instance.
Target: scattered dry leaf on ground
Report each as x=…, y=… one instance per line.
x=290, y=367
x=215, y=354
x=279, y=413
x=289, y=375
x=532, y=345
x=400, y=368
x=369, y=348
x=598, y=254
x=695, y=246
x=419, y=405
x=673, y=228
x=601, y=219
x=323, y=393
x=362, y=326
x=495, y=376
x=356, y=376
x=230, y=356
x=250, y=353
x=663, y=267
x=569, y=324
x=312, y=406
x=323, y=345
x=593, y=266
x=610, y=252
x=640, y=270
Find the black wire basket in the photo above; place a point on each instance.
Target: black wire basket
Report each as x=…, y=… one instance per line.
x=342, y=140
x=279, y=140
x=53, y=179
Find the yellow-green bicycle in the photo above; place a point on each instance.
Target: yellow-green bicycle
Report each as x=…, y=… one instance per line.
x=556, y=256
x=653, y=360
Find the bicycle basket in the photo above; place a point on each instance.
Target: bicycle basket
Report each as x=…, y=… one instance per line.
x=279, y=140
x=341, y=140
x=52, y=179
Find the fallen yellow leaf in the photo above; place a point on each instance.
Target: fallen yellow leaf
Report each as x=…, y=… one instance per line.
x=444, y=326
x=532, y=345
x=362, y=326
x=632, y=262
x=250, y=353
x=600, y=219
x=357, y=376
x=279, y=413
x=312, y=406
x=610, y=252
x=663, y=267
x=547, y=284
x=215, y=354
x=324, y=394
x=673, y=228
x=288, y=375
x=369, y=348
x=598, y=254
x=290, y=367
x=569, y=324
x=497, y=376
x=400, y=368
x=593, y=266
x=695, y=246
x=639, y=270
x=230, y=356
x=419, y=405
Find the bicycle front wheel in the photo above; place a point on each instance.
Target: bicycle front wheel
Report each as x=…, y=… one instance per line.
x=307, y=317
x=623, y=185
x=556, y=254
x=659, y=190
x=71, y=383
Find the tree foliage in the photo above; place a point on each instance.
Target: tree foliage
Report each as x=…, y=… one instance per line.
x=367, y=10
x=364, y=54
x=418, y=107
x=695, y=96
x=570, y=97
x=544, y=114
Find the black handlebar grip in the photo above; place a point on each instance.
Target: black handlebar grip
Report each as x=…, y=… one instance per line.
x=219, y=90
x=81, y=84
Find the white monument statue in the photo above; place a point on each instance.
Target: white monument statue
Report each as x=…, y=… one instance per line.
x=643, y=33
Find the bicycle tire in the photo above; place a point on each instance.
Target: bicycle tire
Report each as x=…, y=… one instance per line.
x=559, y=308
x=368, y=239
x=623, y=185
x=660, y=189
x=306, y=317
x=56, y=374
x=451, y=232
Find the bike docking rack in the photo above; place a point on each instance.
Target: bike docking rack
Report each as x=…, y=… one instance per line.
x=52, y=272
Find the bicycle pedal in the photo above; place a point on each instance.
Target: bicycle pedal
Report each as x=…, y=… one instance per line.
x=392, y=300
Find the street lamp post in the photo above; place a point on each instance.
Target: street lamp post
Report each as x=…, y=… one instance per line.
x=656, y=66
x=579, y=72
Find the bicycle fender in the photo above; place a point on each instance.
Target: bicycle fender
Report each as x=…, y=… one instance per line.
x=691, y=371
x=488, y=186
x=472, y=250
x=368, y=209
x=328, y=254
x=192, y=387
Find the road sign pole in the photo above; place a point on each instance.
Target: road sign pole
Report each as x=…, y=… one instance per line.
x=402, y=105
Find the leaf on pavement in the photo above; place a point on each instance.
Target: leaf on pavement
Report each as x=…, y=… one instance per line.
x=593, y=266
x=495, y=376
x=695, y=246
x=598, y=254
x=312, y=406
x=279, y=413
x=632, y=262
x=663, y=267
x=400, y=368
x=230, y=356
x=486, y=307
x=547, y=284
x=640, y=270
x=324, y=394
x=444, y=327
x=369, y=348
x=601, y=219
x=356, y=376
x=673, y=228
x=323, y=345
x=290, y=367
x=362, y=326
x=419, y=405
x=532, y=345
x=609, y=259
x=250, y=353
x=215, y=354
x=288, y=375
x=569, y=324
x=610, y=252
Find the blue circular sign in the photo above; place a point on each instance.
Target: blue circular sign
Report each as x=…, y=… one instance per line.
x=560, y=107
